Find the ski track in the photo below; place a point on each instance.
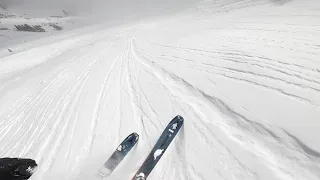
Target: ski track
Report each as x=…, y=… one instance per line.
x=61, y=125
x=227, y=72
x=81, y=101
x=243, y=59
x=269, y=160
x=238, y=58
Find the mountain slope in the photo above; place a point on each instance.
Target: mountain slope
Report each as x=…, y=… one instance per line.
x=245, y=75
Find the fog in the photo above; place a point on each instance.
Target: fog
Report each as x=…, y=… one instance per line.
x=88, y=7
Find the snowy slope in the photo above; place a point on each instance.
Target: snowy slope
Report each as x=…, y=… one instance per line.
x=14, y=40
x=245, y=75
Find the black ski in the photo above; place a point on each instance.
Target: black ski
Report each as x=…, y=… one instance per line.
x=119, y=154
x=159, y=148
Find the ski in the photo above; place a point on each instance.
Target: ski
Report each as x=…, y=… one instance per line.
x=159, y=148
x=119, y=154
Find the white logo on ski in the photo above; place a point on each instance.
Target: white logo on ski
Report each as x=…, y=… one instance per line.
x=157, y=153
x=174, y=126
x=119, y=148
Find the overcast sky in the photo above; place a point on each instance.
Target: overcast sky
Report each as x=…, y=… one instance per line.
x=71, y=5
x=95, y=6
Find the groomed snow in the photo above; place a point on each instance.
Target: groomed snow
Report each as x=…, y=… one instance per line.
x=244, y=74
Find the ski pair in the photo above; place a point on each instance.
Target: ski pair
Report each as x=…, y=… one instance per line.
x=154, y=156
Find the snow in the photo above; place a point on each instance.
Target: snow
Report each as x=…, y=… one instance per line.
x=244, y=74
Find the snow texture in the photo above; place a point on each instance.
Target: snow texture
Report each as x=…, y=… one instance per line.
x=244, y=74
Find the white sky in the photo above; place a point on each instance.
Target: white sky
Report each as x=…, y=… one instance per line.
x=95, y=6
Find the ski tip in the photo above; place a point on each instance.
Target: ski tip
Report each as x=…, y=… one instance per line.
x=180, y=118
x=136, y=135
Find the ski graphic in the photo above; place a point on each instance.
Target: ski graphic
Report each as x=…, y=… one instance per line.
x=159, y=148
x=119, y=154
